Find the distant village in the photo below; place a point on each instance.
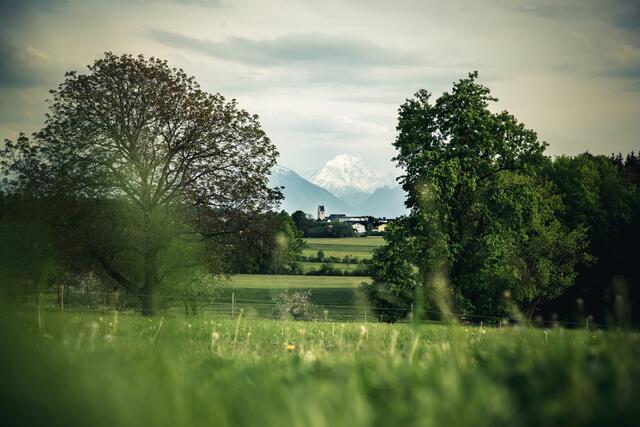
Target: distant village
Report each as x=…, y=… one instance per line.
x=361, y=225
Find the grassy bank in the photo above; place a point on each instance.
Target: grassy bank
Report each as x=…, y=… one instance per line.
x=104, y=369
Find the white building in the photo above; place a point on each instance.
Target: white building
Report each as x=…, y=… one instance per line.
x=359, y=228
x=321, y=214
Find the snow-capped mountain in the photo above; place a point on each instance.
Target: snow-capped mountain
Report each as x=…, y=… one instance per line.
x=300, y=194
x=346, y=174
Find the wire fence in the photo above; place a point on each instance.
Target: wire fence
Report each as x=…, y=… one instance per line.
x=187, y=304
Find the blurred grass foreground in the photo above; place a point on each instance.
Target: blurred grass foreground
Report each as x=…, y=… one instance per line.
x=113, y=368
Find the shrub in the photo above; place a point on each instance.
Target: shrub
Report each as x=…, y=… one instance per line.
x=296, y=306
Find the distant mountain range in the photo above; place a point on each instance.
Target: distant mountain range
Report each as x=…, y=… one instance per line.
x=300, y=194
x=344, y=185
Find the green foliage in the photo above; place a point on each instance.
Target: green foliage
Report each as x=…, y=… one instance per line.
x=28, y=249
x=142, y=156
x=602, y=195
x=301, y=222
x=312, y=228
x=395, y=277
x=208, y=371
x=271, y=244
x=481, y=215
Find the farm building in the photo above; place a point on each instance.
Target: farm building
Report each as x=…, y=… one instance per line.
x=359, y=228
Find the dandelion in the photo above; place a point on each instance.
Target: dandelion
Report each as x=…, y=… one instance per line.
x=290, y=347
x=189, y=325
x=363, y=334
x=214, y=339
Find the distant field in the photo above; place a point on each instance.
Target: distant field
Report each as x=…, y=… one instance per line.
x=308, y=266
x=269, y=281
x=357, y=247
x=254, y=293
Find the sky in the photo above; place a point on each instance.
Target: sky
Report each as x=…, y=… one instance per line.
x=327, y=77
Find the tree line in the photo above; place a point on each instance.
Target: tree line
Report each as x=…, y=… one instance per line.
x=144, y=179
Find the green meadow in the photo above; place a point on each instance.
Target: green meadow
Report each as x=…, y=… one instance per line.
x=356, y=247
x=336, y=296
x=274, y=281
x=309, y=266
x=106, y=369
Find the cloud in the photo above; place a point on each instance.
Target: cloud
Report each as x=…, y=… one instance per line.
x=334, y=126
x=626, y=14
x=551, y=8
x=302, y=48
x=25, y=66
x=624, y=64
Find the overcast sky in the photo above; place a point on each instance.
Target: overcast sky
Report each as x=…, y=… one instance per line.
x=327, y=77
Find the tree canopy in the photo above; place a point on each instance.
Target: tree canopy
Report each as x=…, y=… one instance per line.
x=480, y=214
x=134, y=133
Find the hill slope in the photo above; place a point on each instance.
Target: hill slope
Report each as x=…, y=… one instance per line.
x=385, y=201
x=300, y=194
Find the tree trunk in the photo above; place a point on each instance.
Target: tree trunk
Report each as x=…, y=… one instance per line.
x=150, y=280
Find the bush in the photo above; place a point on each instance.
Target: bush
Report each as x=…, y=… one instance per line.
x=296, y=306
x=86, y=291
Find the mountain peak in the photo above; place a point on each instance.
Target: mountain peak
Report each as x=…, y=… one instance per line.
x=346, y=174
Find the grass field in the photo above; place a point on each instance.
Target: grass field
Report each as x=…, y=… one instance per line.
x=357, y=247
x=83, y=368
x=335, y=294
x=291, y=281
x=308, y=266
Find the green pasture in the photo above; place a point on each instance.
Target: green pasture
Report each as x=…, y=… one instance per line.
x=357, y=247
x=273, y=281
x=308, y=266
x=107, y=369
x=254, y=293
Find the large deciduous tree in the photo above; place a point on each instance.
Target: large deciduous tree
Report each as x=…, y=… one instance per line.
x=480, y=214
x=176, y=161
